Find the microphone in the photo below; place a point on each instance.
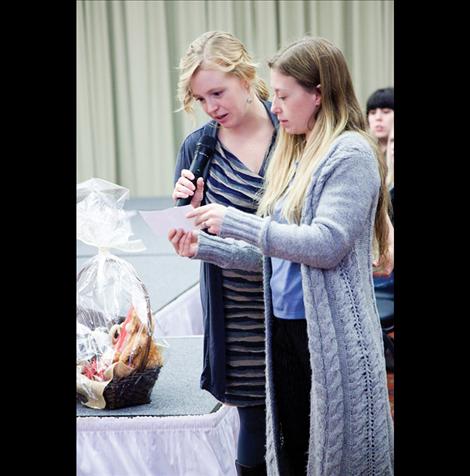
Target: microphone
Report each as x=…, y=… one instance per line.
x=202, y=154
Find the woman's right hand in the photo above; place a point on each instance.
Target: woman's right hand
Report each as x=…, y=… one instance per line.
x=185, y=188
x=185, y=243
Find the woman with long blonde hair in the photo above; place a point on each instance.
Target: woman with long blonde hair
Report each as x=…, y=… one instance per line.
x=324, y=204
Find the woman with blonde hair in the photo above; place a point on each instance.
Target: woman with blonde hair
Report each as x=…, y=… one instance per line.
x=218, y=72
x=325, y=203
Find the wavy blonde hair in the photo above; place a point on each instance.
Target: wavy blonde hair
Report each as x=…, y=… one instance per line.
x=313, y=61
x=220, y=51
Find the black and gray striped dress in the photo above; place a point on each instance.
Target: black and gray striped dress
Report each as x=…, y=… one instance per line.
x=232, y=183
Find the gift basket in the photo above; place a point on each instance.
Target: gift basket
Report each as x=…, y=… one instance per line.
x=118, y=359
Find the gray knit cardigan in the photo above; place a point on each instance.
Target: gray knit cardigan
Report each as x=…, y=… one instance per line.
x=351, y=428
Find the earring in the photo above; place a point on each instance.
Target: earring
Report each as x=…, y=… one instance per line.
x=249, y=99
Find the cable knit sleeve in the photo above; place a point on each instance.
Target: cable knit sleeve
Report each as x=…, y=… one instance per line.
x=349, y=190
x=229, y=253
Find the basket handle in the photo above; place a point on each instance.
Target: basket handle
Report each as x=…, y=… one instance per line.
x=143, y=362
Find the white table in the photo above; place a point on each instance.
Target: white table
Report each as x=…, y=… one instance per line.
x=202, y=445
x=184, y=431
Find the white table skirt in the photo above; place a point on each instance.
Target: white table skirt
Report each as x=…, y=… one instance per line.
x=182, y=317
x=204, y=445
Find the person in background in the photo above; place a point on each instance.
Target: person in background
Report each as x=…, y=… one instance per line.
x=381, y=117
x=218, y=72
x=384, y=284
x=325, y=199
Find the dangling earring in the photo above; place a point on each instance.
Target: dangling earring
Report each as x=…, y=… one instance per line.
x=249, y=99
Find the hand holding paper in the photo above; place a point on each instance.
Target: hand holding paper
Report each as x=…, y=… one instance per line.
x=209, y=217
x=162, y=221
x=185, y=243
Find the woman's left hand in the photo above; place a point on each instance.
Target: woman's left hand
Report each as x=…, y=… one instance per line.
x=209, y=217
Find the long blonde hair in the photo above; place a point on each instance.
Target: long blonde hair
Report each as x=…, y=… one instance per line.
x=220, y=51
x=313, y=61
x=390, y=157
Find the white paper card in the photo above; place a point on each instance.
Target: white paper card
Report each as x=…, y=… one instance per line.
x=161, y=221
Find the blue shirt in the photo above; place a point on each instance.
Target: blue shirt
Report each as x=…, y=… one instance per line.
x=286, y=282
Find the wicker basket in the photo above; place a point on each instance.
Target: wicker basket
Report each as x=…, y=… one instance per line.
x=136, y=388
x=132, y=390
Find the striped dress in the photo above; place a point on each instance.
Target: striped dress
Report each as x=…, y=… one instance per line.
x=232, y=183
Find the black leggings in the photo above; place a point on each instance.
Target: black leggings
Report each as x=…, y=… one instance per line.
x=252, y=436
x=292, y=384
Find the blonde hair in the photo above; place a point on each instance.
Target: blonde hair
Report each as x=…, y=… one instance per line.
x=220, y=51
x=311, y=62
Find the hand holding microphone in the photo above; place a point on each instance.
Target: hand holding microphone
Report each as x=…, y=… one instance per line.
x=186, y=184
x=185, y=189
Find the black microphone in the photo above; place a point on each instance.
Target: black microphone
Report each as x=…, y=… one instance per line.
x=202, y=154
